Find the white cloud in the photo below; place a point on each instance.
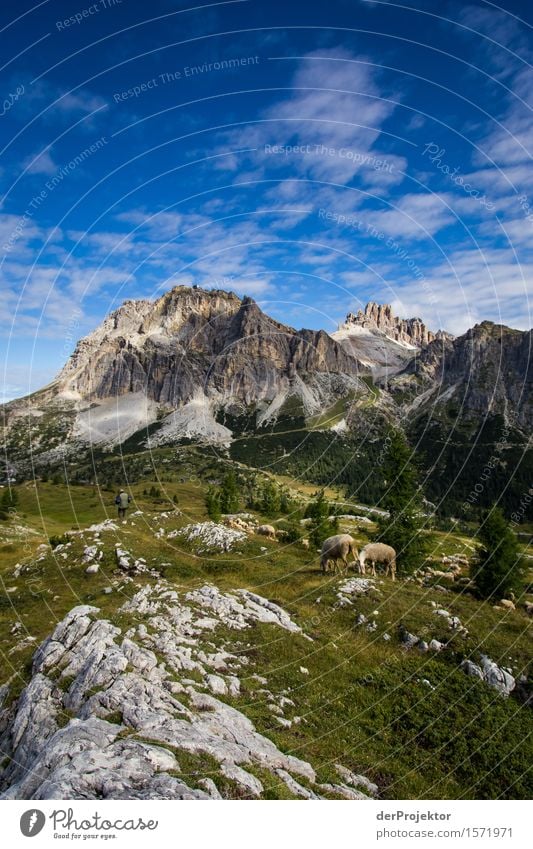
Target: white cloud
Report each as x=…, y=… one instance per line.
x=331, y=121
x=416, y=216
x=40, y=163
x=470, y=287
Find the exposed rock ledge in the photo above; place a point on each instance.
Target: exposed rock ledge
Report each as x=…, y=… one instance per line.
x=107, y=714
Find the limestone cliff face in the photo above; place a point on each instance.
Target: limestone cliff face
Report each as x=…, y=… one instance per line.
x=379, y=317
x=190, y=340
x=486, y=371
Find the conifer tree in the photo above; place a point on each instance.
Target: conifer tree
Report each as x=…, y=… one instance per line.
x=212, y=503
x=322, y=527
x=498, y=567
x=402, y=528
x=270, y=500
x=229, y=494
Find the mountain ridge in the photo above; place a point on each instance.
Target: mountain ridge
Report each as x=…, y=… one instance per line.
x=380, y=317
x=212, y=368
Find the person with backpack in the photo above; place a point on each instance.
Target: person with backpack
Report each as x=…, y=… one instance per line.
x=122, y=501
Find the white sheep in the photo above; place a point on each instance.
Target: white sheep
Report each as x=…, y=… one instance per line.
x=337, y=548
x=378, y=552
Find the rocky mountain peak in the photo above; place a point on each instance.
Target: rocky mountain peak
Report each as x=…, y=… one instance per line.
x=191, y=353
x=380, y=318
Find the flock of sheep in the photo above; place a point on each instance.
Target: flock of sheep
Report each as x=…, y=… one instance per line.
x=339, y=547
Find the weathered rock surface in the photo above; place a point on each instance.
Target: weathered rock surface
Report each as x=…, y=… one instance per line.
x=380, y=317
x=106, y=713
x=491, y=674
x=192, y=338
x=210, y=536
x=485, y=371
x=190, y=353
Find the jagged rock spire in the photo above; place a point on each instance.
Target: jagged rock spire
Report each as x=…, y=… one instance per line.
x=380, y=317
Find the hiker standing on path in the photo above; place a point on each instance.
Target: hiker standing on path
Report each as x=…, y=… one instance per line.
x=122, y=501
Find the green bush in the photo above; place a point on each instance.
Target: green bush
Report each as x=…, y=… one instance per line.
x=57, y=540
x=292, y=530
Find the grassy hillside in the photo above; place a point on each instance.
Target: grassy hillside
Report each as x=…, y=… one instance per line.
x=412, y=722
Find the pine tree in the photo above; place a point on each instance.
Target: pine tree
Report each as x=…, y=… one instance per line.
x=251, y=498
x=286, y=504
x=8, y=503
x=229, y=494
x=270, y=499
x=10, y=499
x=212, y=503
x=498, y=568
x=402, y=528
x=318, y=507
x=322, y=526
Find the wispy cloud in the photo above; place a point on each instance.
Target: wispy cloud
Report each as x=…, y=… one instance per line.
x=326, y=128
x=40, y=163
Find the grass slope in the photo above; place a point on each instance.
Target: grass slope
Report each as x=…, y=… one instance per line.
x=412, y=722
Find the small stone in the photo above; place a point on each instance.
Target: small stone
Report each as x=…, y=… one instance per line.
x=471, y=669
x=357, y=780
x=217, y=685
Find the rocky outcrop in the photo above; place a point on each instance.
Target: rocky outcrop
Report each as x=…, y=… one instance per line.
x=486, y=371
x=109, y=714
x=492, y=674
x=379, y=317
x=382, y=342
x=192, y=340
x=178, y=362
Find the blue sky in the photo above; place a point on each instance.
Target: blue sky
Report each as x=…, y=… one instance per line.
x=312, y=155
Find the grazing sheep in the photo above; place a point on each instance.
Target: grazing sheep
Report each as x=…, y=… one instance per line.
x=236, y=524
x=267, y=531
x=378, y=552
x=337, y=548
x=305, y=544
